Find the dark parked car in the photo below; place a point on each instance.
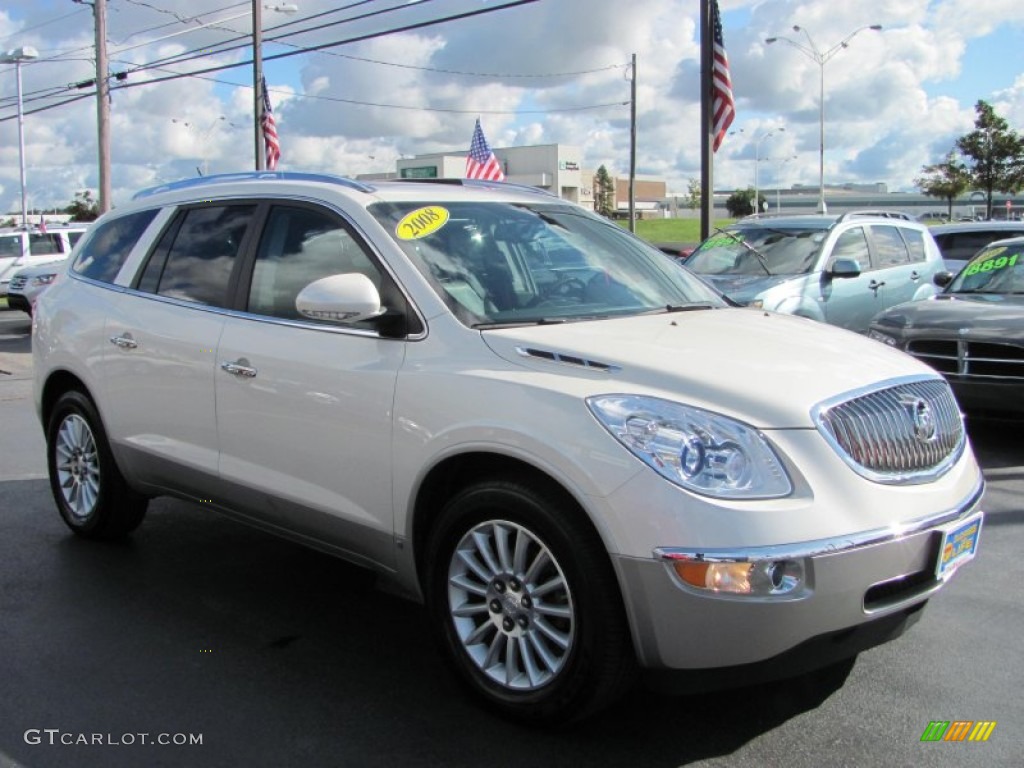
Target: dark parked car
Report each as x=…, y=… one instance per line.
x=972, y=333
x=961, y=240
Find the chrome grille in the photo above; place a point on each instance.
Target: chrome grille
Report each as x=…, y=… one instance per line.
x=968, y=359
x=908, y=432
x=17, y=283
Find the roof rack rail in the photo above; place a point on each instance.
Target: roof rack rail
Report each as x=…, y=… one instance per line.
x=482, y=184
x=777, y=215
x=222, y=178
x=880, y=212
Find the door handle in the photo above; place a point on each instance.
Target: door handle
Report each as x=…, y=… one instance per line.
x=124, y=342
x=875, y=285
x=915, y=276
x=240, y=367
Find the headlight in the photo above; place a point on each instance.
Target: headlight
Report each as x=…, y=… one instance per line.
x=44, y=279
x=698, y=450
x=879, y=336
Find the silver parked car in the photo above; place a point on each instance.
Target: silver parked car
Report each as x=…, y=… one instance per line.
x=577, y=453
x=840, y=270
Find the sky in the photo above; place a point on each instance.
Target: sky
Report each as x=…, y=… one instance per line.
x=550, y=71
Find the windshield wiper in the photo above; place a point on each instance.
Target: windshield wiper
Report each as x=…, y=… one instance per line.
x=685, y=307
x=761, y=258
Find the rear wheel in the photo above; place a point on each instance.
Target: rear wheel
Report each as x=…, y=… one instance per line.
x=93, y=498
x=526, y=605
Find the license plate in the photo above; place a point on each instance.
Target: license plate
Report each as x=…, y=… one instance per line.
x=959, y=543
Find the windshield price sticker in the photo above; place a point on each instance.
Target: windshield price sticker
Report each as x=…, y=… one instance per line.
x=959, y=543
x=992, y=263
x=724, y=238
x=421, y=222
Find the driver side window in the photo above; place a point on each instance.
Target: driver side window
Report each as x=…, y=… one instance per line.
x=298, y=247
x=852, y=244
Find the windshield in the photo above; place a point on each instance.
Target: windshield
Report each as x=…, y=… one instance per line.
x=736, y=252
x=997, y=269
x=501, y=263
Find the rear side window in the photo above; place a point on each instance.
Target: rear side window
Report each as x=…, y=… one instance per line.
x=915, y=244
x=890, y=249
x=73, y=238
x=195, y=259
x=43, y=244
x=106, y=251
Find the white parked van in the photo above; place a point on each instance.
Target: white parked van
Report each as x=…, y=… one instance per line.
x=29, y=247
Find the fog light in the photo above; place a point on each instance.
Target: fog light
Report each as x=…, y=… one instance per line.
x=764, y=577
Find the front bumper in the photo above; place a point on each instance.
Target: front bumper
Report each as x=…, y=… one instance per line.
x=17, y=301
x=849, y=581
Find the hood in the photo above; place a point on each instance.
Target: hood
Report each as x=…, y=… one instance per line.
x=766, y=369
x=746, y=288
x=985, y=314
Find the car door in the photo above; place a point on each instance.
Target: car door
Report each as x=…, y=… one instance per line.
x=900, y=262
x=164, y=334
x=304, y=407
x=850, y=302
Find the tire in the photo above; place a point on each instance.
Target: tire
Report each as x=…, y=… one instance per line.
x=525, y=604
x=91, y=494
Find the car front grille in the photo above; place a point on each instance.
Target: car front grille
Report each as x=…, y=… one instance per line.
x=970, y=359
x=17, y=283
x=908, y=432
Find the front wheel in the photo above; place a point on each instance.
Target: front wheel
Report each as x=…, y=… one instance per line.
x=93, y=498
x=526, y=605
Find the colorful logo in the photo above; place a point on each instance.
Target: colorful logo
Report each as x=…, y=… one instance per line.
x=958, y=730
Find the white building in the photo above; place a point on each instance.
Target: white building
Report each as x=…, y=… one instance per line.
x=553, y=167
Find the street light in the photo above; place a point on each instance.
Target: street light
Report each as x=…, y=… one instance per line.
x=757, y=158
x=202, y=136
x=257, y=73
x=821, y=58
x=17, y=57
x=778, y=181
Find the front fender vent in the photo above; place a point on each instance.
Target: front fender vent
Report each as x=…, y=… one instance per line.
x=564, y=359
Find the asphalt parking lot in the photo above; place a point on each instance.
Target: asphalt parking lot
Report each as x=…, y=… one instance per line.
x=274, y=655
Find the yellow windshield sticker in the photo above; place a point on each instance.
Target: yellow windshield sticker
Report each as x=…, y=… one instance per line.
x=421, y=222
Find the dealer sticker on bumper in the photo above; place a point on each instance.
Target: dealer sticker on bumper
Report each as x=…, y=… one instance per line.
x=959, y=543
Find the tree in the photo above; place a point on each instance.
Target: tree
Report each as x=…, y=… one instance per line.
x=83, y=207
x=946, y=180
x=693, y=194
x=740, y=203
x=996, y=152
x=604, y=192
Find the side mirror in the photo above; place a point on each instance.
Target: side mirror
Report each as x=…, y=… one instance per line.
x=845, y=268
x=942, y=279
x=346, y=298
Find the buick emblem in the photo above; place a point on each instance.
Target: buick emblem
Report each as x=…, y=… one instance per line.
x=923, y=419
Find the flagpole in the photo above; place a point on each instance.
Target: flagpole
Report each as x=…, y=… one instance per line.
x=707, y=65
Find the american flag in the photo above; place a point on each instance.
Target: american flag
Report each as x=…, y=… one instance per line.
x=42, y=224
x=722, y=105
x=481, y=162
x=270, y=141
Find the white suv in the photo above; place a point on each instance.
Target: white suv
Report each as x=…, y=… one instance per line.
x=21, y=248
x=573, y=450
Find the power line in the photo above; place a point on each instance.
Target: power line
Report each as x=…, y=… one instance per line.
x=417, y=25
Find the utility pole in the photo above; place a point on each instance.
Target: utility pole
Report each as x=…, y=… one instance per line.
x=632, y=146
x=99, y=9
x=257, y=82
